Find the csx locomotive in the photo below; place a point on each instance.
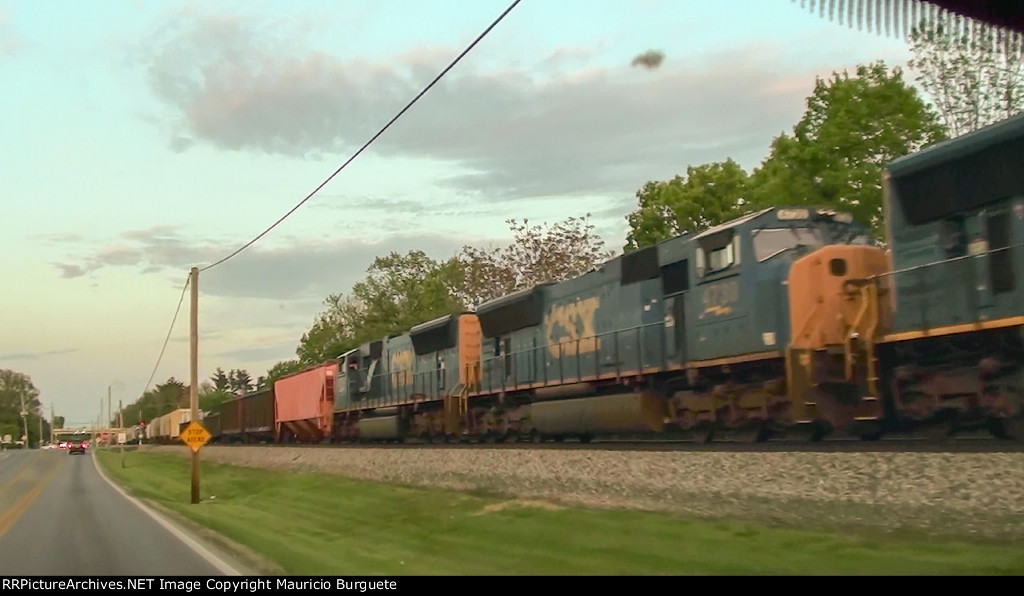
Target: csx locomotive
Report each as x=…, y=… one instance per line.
x=784, y=320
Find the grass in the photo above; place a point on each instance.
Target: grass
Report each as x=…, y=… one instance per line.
x=319, y=524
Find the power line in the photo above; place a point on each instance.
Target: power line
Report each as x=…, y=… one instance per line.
x=173, y=320
x=374, y=138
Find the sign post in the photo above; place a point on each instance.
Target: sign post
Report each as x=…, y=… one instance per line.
x=121, y=438
x=197, y=434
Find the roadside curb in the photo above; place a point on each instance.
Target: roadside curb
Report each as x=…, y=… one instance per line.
x=201, y=550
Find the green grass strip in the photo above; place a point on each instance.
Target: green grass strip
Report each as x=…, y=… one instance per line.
x=320, y=524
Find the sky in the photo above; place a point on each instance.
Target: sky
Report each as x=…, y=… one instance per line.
x=142, y=138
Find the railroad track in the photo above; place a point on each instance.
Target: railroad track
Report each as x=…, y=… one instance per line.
x=966, y=444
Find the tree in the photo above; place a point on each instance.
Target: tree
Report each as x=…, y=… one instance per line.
x=332, y=331
x=210, y=397
x=239, y=381
x=853, y=126
x=537, y=254
x=220, y=380
x=18, y=391
x=399, y=292
x=709, y=195
x=282, y=369
x=975, y=80
x=58, y=422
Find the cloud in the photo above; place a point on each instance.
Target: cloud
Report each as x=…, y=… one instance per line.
x=181, y=144
x=237, y=84
x=301, y=270
x=36, y=355
x=9, y=40
x=277, y=352
x=71, y=271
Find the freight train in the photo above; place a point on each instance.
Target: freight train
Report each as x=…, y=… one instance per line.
x=786, y=319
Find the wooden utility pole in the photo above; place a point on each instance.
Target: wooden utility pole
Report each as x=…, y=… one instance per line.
x=120, y=428
x=53, y=419
x=24, y=421
x=109, y=417
x=194, y=364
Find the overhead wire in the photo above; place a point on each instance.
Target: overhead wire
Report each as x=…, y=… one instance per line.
x=372, y=139
x=168, y=338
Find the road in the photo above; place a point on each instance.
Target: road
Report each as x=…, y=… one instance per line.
x=59, y=516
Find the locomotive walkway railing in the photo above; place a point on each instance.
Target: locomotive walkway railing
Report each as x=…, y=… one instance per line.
x=632, y=351
x=952, y=291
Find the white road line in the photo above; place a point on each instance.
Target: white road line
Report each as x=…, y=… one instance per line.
x=199, y=549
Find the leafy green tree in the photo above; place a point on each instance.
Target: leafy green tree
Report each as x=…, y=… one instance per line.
x=975, y=80
x=210, y=397
x=332, y=332
x=18, y=391
x=58, y=422
x=281, y=369
x=399, y=292
x=708, y=195
x=402, y=291
x=853, y=126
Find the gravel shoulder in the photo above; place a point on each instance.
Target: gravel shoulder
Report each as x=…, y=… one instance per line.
x=972, y=495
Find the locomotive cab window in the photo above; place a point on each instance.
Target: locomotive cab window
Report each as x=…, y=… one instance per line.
x=718, y=252
x=771, y=243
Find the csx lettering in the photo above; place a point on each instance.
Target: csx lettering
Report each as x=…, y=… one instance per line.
x=401, y=368
x=572, y=326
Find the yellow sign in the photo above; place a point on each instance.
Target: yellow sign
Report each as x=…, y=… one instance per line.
x=195, y=436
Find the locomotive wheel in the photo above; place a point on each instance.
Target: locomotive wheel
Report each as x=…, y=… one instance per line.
x=535, y=437
x=1007, y=429
x=819, y=430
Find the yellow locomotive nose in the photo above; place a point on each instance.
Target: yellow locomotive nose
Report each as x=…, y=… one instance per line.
x=836, y=312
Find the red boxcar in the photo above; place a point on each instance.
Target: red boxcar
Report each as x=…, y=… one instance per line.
x=304, y=404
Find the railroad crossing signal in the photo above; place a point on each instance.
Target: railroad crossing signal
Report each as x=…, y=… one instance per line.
x=195, y=436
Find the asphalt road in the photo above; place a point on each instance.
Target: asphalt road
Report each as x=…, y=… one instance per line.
x=59, y=516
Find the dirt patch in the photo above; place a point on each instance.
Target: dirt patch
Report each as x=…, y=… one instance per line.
x=496, y=507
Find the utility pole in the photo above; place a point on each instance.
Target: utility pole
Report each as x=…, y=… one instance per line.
x=40, y=432
x=120, y=424
x=53, y=419
x=109, y=417
x=194, y=364
x=24, y=419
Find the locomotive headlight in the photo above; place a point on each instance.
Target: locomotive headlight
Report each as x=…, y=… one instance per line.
x=793, y=214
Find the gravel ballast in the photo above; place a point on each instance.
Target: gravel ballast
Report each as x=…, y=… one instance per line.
x=977, y=495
